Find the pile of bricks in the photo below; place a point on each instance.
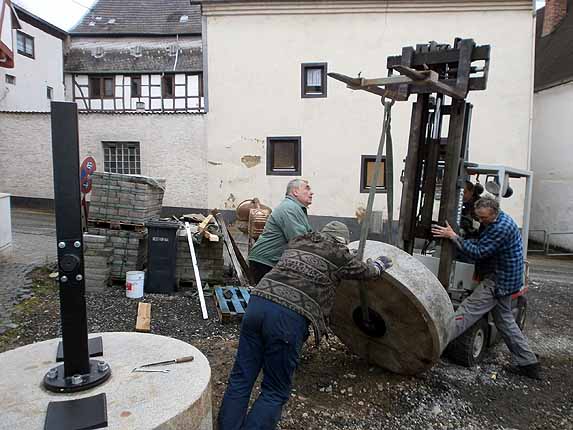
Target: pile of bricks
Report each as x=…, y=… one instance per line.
x=209, y=260
x=119, y=207
x=98, y=256
x=129, y=250
x=125, y=198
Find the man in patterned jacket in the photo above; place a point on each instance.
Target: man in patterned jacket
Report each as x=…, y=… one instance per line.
x=498, y=256
x=299, y=291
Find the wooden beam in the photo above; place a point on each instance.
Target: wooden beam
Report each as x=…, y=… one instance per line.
x=143, y=323
x=243, y=279
x=440, y=57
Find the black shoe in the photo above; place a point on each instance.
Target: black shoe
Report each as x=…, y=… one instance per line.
x=532, y=371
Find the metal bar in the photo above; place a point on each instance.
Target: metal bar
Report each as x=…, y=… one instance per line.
x=440, y=57
x=557, y=254
x=450, y=186
x=67, y=200
x=372, y=193
x=409, y=201
x=196, y=271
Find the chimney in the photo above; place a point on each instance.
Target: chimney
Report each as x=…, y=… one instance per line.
x=555, y=11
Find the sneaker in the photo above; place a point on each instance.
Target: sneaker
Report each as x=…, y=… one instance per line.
x=532, y=371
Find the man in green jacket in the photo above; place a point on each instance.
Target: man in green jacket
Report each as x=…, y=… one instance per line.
x=289, y=219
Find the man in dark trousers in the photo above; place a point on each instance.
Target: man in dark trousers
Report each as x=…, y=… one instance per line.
x=498, y=256
x=299, y=291
x=288, y=219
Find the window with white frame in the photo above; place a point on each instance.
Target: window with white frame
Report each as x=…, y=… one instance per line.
x=313, y=80
x=122, y=157
x=25, y=44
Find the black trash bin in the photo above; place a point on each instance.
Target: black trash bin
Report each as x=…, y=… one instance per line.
x=161, y=256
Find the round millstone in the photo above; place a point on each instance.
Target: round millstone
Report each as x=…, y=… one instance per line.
x=180, y=399
x=409, y=309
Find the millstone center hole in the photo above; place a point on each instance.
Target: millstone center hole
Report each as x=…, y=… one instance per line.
x=374, y=326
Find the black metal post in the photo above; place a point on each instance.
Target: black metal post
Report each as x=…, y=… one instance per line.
x=78, y=372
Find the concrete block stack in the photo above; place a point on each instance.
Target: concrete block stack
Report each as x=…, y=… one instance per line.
x=129, y=250
x=130, y=199
x=119, y=207
x=209, y=259
x=98, y=256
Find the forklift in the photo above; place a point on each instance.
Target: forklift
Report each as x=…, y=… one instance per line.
x=437, y=168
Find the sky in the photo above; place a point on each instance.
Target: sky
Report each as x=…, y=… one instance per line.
x=65, y=13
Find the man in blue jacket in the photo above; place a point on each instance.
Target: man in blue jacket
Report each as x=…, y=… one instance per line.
x=498, y=256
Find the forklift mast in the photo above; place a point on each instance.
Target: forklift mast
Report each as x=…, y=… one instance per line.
x=435, y=164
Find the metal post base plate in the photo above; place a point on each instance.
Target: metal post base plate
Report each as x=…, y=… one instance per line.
x=56, y=381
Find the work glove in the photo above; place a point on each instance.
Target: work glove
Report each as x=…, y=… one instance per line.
x=382, y=263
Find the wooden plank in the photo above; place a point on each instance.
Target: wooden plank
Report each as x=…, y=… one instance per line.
x=236, y=302
x=245, y=294
x=222, y=302
x=232, y=253
x=143, y=323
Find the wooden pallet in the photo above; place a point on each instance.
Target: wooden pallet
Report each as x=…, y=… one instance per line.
x=233, y=308
x=116, y=225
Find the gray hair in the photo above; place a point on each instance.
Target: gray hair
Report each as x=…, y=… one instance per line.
x=487, y=203
x=295, y=184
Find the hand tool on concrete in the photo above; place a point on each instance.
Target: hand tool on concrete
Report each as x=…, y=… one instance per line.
x=138, y=369
x=144, y=368
x=174, y=361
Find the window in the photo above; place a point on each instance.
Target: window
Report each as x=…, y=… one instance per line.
x=121, y=157
x=10, y=79
x=25, y=44
x=367, y=174
x=284, y=156
x=102, y=87
x=136, y=86
x=168, y=86
x=49, y=93
x=313, y=80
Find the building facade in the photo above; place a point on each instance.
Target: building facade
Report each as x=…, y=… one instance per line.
x=552, y=134
x=37, y=76
x=273, y=115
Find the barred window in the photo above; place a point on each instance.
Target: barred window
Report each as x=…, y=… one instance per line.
x=122, y=157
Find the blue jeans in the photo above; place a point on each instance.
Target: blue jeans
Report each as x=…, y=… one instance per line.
x=271, y=339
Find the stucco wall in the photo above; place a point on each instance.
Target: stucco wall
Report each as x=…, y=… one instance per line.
x=34, y=75
x=552, y=161
x=254, y=92
x=171, y=147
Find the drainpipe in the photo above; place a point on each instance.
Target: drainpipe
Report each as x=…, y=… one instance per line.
x=176, y=53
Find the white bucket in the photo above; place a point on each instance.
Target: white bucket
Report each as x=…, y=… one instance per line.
x=134, y=284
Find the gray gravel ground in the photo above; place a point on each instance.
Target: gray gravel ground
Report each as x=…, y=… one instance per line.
x=335, y=389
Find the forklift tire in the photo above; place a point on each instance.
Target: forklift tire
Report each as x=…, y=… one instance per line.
x=469, y=349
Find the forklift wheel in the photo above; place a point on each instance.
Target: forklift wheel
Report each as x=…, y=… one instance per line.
x=469, y=349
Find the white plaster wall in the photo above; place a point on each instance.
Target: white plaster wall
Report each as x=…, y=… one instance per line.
x=254, y=92
x=34, y=75
x=552, y=161
x=171, y=147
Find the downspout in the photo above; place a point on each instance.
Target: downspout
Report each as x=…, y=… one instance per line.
x=532, y=89
x=176, y=52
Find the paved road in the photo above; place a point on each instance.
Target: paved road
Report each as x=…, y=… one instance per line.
x=33, y=245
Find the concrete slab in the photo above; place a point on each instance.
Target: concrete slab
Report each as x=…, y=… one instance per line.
x=180, y=399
